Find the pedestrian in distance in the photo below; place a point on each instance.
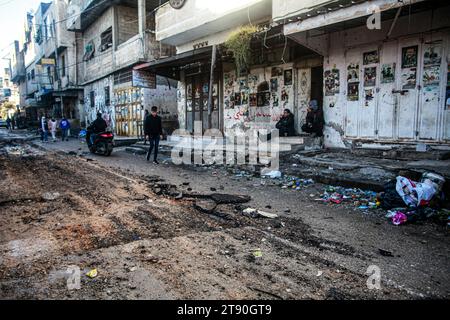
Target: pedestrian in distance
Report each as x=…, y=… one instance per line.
x=153, y=128
x=64, y=125
x=8, y=124
x=44, y=129
x=52, y=124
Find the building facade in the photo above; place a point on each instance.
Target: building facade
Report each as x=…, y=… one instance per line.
x=379, y=69
x=114, y=38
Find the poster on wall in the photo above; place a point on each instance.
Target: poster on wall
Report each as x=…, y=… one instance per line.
x=274, y=85
x=353, y=72
x=288, y=77
x=263, y=99
x=432, y=55
x=369, y=94
x=253, y=100
x=277, y=72
x=388, y=73
x=275, y=100
x=284, y=96
x=331, y=78
x=409, y=78
x=409, y=57
x=353, y=91
x=229, y=102
x=370, y=77
x=244, y=98
x=237, y=99
x=189, y=105
x=431, y=76
x=371, y=57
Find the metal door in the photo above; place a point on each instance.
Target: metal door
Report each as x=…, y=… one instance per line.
x=408, y=88
x=352, y=57
x=388, y=101
x=430, y=106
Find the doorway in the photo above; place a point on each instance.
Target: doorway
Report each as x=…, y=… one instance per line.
x=317, y=85
x=197, y=94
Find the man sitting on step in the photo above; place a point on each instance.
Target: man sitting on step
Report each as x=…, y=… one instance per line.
x=286, y=124
x=314, y=120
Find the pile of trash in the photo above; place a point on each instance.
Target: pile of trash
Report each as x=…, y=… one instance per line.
x=295, y=182
x=361, y=199
x=410, y=201
x=23, y=151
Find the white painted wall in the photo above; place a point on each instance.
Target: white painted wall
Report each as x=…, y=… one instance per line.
x=417, y=116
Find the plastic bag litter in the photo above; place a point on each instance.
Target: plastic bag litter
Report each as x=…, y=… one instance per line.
x=273, y=174
x=82, y=134
x=414, y=194
x=92, y=274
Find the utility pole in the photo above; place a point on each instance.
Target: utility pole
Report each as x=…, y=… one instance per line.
x=56, y=67
x=211, y=84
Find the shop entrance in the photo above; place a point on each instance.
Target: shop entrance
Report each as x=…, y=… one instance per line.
x=197, y=93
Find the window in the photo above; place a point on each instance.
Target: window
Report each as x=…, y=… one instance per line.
x=49, y=74
x=106, y=40
x=63, y=65
x=92, y=99
x=29, y=76
x=89, y=51
x=32, y=74
x=107, y=96
x=45, y=29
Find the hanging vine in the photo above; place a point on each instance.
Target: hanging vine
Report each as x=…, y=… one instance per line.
x=238, y=44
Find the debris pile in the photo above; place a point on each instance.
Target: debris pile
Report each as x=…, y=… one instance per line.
x=361, y=199
x=409, y=201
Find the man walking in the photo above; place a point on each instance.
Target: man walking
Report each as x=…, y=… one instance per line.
x=52, y=124
x=44, y=129
x=64, y=124
x=153, y=128
x=8, y=124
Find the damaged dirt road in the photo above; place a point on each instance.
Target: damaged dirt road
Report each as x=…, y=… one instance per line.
x=151, y=237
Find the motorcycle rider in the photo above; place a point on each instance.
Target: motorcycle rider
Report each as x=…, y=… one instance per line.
x=97, y=127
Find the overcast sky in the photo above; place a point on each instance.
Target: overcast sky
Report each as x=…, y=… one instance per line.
x=12, y=18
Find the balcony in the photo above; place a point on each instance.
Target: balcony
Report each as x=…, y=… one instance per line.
x=200, y=18
x=287, y=10
x=82, y=13
x=17, y=64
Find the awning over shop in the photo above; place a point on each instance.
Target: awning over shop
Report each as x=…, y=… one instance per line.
x=68, y=92
x=170, y=67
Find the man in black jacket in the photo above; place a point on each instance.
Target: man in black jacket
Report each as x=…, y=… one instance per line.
x=97, y=127
x=286, y=124
x=153, y=129
x=314, y=120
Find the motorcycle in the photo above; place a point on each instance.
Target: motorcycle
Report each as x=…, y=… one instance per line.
x=103, y=143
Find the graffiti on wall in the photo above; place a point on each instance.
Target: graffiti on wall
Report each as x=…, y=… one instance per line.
x=257, y=99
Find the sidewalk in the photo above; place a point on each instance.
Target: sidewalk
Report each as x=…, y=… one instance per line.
x=362, y=168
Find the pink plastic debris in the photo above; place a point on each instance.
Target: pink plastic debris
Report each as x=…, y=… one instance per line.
x=399, y=218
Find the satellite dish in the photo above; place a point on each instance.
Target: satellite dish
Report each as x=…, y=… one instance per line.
x=73, y=15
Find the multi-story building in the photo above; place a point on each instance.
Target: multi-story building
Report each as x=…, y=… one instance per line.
x=57, y=59
x=386, y=67
x=377, y=68
x=115, y=37
x=8, y=90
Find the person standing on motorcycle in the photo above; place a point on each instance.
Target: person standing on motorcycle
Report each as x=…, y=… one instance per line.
x=97, y=127
x=153, y=128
